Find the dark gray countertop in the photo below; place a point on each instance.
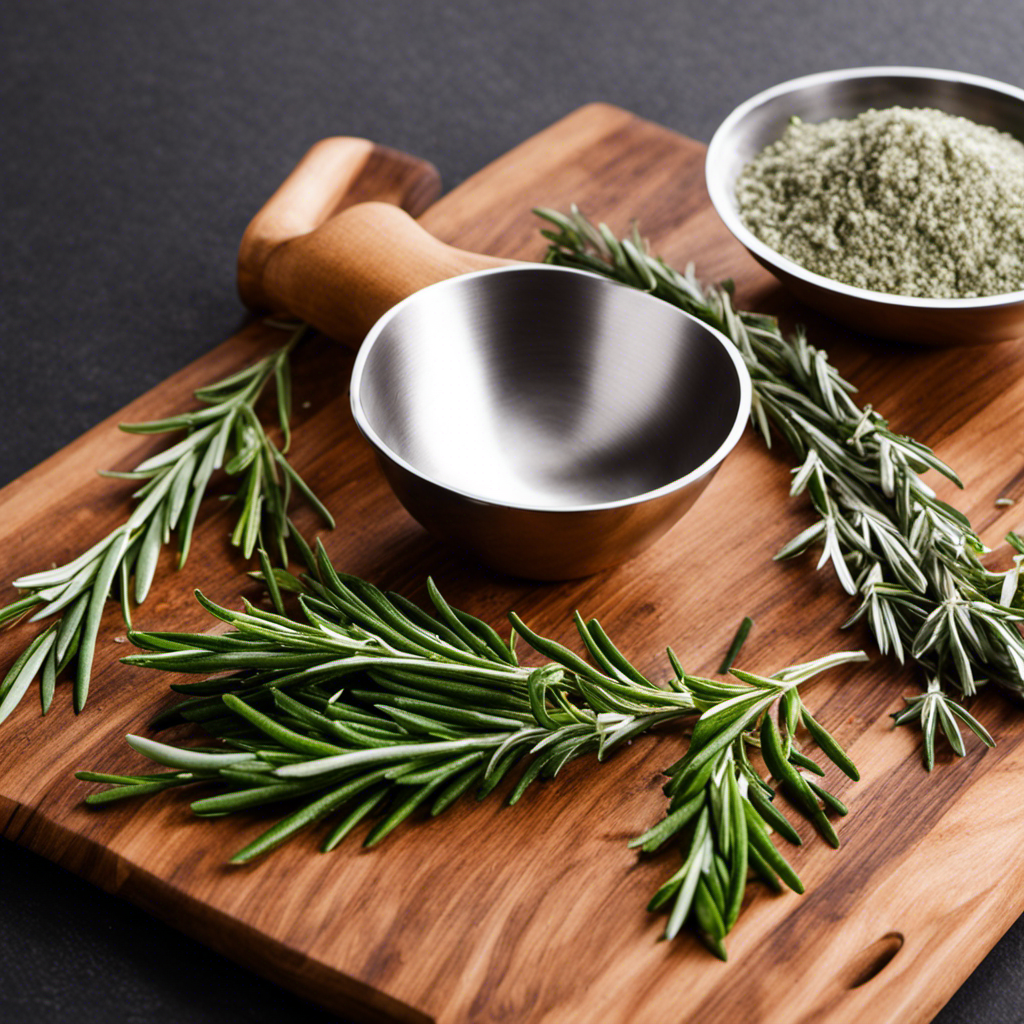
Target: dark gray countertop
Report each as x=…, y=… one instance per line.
x=138, y=140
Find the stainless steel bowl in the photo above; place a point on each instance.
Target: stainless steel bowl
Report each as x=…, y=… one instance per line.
x=552, y=422
x=762, y=120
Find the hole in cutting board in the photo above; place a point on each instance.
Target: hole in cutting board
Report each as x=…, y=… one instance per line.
x=871, y=960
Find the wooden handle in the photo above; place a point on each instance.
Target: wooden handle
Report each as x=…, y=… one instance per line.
x=320, y=252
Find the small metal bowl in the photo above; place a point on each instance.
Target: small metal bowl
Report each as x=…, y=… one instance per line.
x=761, y=121
x=550, y=421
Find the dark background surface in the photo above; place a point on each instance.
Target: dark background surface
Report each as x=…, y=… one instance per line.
x=139, y=139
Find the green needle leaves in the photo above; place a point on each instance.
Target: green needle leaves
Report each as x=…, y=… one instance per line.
x=363, y=704
x=225, y=433
x=934, y=710
x=737, y=645
x=911, y=559
x=366, y=702
x=722, y=812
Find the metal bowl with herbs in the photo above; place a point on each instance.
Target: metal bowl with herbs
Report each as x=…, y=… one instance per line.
x=984, y=122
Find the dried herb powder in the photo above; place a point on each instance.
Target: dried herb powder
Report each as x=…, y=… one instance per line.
x=906, y=201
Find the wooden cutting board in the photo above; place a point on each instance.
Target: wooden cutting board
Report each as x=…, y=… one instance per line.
x=536, y=913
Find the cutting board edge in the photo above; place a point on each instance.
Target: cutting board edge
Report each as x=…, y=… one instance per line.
x=76, y=852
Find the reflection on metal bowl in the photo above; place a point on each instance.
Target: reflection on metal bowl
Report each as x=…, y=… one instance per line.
x=550, y=421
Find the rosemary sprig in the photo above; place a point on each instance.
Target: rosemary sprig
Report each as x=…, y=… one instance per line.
x=365, y=704
x=722, y=811
x=934, y=710
x=912, y=559
x=366, y=697
x=225, y=432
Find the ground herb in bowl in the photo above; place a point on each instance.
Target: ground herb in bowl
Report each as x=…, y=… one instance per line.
x=912, y=202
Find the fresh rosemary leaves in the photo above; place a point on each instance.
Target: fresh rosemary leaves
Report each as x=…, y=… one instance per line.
x=368, y=705
x=722, y=811
x=913, y=560
x=370, y=697
x=226, y=433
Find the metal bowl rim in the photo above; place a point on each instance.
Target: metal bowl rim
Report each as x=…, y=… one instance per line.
x=709, y=464
x=726, y=209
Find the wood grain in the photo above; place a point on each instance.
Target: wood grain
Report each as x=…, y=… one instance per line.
x=536, y=913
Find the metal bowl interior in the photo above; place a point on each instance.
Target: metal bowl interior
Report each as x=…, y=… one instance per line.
x=539, y=388
x=762, y=119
